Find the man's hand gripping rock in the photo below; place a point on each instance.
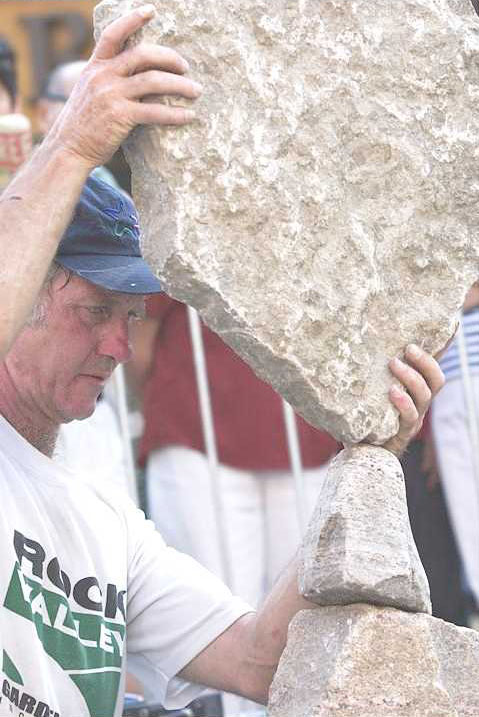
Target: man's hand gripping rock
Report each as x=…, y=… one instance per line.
x=421, y=379
x=116, y=90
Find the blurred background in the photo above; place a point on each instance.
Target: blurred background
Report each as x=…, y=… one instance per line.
x=44, y=35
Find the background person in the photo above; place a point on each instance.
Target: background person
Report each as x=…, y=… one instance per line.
x=458, y=466
x=58, y=88
x=15, y=129
x=9, y=100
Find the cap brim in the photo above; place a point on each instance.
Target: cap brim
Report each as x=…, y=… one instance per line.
x=128, y=274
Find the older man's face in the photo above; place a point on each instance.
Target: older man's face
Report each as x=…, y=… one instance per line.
x=60, y=365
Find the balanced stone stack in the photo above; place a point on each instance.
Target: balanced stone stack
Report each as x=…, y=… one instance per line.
x=388, y=657
x=321, y=214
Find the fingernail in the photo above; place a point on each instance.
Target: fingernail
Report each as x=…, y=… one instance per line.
x=147, y=10
x=197, y=87
x=414, y=351
x=190, y=115
x=396, y=391
x=186, y=64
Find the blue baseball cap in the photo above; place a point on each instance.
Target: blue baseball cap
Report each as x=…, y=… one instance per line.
x=102, y=242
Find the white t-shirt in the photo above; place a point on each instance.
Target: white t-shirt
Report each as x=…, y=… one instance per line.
x=76, y=561
x=93, y=447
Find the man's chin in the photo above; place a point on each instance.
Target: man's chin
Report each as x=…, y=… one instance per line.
x=79, y=413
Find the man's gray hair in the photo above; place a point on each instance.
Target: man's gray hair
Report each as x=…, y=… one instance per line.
x=39, y=311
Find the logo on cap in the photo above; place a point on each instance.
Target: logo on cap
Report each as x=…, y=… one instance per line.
x=121, y=230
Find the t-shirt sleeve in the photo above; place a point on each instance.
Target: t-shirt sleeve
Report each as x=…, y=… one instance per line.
x=175, y=608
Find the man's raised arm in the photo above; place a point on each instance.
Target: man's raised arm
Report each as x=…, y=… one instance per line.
x=105, y=105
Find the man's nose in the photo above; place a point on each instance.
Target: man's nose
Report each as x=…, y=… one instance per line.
x=115, y=341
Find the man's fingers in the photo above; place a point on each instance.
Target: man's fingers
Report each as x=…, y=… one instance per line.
x=414, y=384
x=156, y=82
x=145, y=56
x=161, y=114
x=421, y=379
x=113, y=37
x=427, y=366
x=408, y=411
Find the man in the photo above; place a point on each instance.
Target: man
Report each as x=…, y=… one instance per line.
x=107, y=457
x=80, y=567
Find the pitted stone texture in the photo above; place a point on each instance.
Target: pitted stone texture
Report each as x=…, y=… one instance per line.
x=364, y=661
x=322, y=212
x=359, y=545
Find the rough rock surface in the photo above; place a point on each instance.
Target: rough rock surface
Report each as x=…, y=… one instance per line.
x=359, y=545
x=363, y=661
x=322, y=211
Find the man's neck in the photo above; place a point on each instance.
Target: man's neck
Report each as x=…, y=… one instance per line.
x=28, y=420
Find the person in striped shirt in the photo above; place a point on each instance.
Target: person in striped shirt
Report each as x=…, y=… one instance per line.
x=454, y=415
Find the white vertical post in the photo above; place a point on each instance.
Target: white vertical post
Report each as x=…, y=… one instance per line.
x=122, y=407
x=210, y=440
x=295, y=459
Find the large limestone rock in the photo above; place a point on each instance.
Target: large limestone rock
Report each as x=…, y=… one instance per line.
x=362, y=661
x=322, y=211
x=359, y=545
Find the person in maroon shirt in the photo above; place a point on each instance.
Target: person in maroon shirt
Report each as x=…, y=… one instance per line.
x=257, y=487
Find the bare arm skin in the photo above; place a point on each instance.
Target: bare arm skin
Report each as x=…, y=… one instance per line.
x=104, y=107
x=245, y=657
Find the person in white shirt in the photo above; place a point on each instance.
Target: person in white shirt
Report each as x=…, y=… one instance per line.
x=84, y=578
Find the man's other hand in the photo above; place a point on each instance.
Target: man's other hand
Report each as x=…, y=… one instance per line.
x=421, y=379
x=114, y=93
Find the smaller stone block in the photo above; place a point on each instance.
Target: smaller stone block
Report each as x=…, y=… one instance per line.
x=365, y=661
x=359, y=545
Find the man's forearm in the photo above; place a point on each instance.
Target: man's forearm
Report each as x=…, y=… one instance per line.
x=269, y=631
x=35, y=210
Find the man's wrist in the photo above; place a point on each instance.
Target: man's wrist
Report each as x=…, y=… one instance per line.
x=50, y=164
x=56, y=152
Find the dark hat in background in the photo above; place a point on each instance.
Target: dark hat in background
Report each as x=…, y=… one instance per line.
x=8, y=68
x=102, y=242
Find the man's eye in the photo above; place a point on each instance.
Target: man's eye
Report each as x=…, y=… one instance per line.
x=95, y=313
x=98, y=311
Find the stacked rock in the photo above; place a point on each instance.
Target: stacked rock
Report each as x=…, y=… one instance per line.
x=372, y=649
x=321, y=212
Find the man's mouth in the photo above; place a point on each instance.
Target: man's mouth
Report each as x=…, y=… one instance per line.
x=96, y=377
